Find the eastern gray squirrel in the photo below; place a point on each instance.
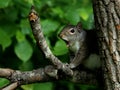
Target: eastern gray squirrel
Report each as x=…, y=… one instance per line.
x=82, y=46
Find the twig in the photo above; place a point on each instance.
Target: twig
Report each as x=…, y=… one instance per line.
x=37, y=32
x=6, y=72
x=12, y=86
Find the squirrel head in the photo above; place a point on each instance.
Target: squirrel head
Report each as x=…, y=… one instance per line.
x=70, y=33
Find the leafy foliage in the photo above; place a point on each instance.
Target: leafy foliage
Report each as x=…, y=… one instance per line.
x=18, y=49
x=5, y=40
x=23, y=50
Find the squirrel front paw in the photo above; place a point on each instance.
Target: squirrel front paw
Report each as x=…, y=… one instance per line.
x=71, y=65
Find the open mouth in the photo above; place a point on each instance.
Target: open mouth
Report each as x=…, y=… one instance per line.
x=67, y=42
x=65, y=39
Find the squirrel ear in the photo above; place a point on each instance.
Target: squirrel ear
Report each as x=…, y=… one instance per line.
x=79, y=26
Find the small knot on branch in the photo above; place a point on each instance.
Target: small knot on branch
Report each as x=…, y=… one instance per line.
x=33, y=16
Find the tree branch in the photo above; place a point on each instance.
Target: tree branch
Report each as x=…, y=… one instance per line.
x=12, y=86
x=37, y=32
x=48, y=73
x=40, y=75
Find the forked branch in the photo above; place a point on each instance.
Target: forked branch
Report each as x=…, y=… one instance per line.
x=37, y=32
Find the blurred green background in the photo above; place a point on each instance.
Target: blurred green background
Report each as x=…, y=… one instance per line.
x=18, y=48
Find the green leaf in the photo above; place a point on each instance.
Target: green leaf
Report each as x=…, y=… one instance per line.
x=25, y=26
x=84, y=14
x=23, y=50
x=4, y=3
x=20, y=36
x=3, y=82
x=10, y=29
x=30, y=1
x=5, y=40
x=72, y=16
x=49, y=26
x=90, y=22
x=60, y=48
x=38, y=4
x=27, y=66
x=27, y=87
x=43, y=86
x=58, y=11
x=23, y=6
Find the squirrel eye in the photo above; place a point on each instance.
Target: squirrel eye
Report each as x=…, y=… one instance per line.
x=72, y=30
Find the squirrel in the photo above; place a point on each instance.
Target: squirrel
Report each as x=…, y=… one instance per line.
x=82, y=45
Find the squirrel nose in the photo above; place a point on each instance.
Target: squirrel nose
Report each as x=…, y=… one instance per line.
x=60, y=35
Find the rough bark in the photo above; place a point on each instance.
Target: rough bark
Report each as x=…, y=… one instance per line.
x=107, y=22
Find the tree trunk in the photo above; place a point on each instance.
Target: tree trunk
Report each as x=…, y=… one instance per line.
x=107, y=23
